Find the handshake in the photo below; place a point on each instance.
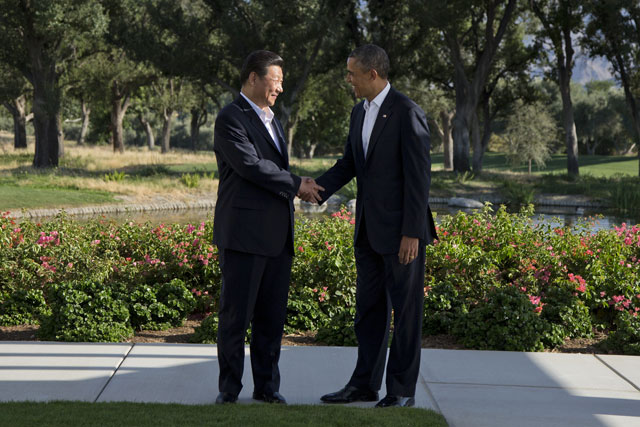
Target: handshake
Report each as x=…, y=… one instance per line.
x=309, y=190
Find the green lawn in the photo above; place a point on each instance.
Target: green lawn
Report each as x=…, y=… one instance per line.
x=159, y=415
x=597, y=166
x=13, y=197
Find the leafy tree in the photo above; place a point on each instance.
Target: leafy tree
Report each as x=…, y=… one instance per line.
x=530, y=130
x=470, y=32
x=323, y=123
x=509, y=81
x=599, y=113
x=42, y=39
x=614, y=32
x=207, y=41
x=560, y=19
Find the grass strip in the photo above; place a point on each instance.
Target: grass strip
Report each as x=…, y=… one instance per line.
x=119, y=414
x=18, y=197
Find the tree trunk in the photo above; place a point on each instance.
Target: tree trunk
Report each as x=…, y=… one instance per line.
x=477, y=145
x=312, y=150
x=167, y=116
x=461, y=142
x=591, y=147
x=148, y=130
x=119, y=104
x=46, y=109
x=198, y=119
x=86, y=112
x=447, y=139
x=571, y=137
x=529, y=166
x=487, y=120
x=17, y=108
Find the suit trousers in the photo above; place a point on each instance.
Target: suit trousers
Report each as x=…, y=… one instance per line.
x=254, y=291
x=383, y=284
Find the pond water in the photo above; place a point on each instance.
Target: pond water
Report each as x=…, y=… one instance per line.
x=556, y=216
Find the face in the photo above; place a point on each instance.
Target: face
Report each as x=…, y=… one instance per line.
x=266, y=89
x=360, y=80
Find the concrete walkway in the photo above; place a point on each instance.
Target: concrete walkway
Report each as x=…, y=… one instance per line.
x=470, y=388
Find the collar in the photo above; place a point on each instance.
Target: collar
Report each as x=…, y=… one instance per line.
x=379, y=99
x=265, y=116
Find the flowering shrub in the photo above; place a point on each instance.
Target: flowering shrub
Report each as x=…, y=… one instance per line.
x=574, y=280
x=494, y=279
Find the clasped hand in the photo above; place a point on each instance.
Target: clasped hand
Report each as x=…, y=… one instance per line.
x=309, y=191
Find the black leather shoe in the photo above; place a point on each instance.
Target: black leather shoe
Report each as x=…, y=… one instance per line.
x=269, y=397
x=400, y=401
x=350, y=394
x=225, y=397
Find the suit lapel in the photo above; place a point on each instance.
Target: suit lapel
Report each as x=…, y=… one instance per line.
x=257, y=123
x=357, y=134
x=383, y=117
x=283, y=140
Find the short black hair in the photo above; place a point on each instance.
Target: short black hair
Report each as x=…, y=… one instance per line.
x=259, y=61
x=372, y=57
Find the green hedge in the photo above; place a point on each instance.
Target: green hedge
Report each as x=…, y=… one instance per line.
x=495, y=280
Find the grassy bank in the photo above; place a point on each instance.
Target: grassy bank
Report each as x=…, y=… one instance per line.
x=158, y=415
x=96, y=175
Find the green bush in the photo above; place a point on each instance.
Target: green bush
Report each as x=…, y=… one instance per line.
x=207, y=332
x=626, y=337
x=505, y=321
x=339, y=329
x=85, y=311
x=22, y=306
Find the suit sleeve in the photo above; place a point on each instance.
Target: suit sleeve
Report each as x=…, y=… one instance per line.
x=340, y=173
x=416, y=163
x=232, y=142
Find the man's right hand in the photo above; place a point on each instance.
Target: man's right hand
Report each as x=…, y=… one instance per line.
x=309, y=190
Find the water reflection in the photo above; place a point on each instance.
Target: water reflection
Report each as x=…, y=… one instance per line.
x=555, y=216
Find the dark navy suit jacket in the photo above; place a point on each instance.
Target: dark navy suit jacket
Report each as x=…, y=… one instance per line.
x=254, y=209
x=394, y=180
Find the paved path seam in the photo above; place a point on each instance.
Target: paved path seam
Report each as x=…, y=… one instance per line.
x=618, y=373
x=430, y=395
x=113, y=374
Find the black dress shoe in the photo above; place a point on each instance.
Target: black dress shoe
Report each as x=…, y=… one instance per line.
x=350, y=394
x=225, y=397
x=270, y=397
x=391, y=400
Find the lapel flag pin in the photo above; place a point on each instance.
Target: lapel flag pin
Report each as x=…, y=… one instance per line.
x=384, y=116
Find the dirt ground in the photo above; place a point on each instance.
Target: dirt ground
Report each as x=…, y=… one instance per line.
x=183, y=333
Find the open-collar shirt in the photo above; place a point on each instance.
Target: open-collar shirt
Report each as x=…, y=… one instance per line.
x=266, y=117
x=371, y=113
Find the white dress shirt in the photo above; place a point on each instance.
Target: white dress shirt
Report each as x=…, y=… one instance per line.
x=266, y=117
x=371, y=113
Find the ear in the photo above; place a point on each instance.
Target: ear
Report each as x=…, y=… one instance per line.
x=252, y=78
x=373, y=74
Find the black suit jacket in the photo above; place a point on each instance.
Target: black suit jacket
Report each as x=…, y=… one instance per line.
x=254, y=209
x=394, y=180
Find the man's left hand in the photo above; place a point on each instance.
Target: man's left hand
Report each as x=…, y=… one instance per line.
x=408, y=250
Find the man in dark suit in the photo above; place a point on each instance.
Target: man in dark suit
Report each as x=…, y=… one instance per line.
x=387, y=150
x=253, y=229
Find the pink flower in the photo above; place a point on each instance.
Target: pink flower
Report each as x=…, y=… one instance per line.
x=300, y=248
x=95, y=242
